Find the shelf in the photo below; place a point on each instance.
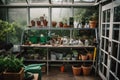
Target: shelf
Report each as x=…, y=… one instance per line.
x=70, y=61
x=60, y=46
x=57, y=28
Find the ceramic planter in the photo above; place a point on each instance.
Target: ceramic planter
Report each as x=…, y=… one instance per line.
x=90, y=56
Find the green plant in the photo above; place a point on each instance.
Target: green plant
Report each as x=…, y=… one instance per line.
x=93, y=17
x=2, y=64
x=13, y=64
x=5, y=28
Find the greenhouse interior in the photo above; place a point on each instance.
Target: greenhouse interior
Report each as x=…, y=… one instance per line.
x=59, y=39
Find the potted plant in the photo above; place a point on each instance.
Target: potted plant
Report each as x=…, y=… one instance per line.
x=93, y=20
x=14, y=68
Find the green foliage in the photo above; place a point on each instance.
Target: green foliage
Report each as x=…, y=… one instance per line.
x=13, y=64
x=84, y=14
x=2, y=64
x=5, y=28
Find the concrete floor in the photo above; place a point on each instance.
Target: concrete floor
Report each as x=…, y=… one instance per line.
x=55, y=74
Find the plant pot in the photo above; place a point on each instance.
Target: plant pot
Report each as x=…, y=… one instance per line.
x=76, y=70
x=62, y=68
x=38, y=23
x=60, y=24
x=86, y=70
x=84, y=57
x=90, y=56
x=32, y=23
x=45, y=22
x=92, y=24
x=54, y=23
x=13, y=75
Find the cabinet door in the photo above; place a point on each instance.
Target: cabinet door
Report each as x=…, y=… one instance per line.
x=110, y=42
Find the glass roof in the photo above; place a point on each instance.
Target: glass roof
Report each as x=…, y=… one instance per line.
x=48, y=1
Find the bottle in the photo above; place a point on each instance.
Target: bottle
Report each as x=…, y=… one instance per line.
x=86, y=42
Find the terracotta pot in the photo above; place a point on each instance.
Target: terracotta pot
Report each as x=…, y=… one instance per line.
x=92, y=24
x=45, y=23
x=32, y=23
x=38, y=23
x=54, y=23
x=90, y=56
x=62, y=68
x=86, y=70
x=76, y=70
x=65, y=25
x=84, y=57
x=60, y=24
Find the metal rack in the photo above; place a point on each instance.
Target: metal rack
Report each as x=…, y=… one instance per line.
x=49, y=47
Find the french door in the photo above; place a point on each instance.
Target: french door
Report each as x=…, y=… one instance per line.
x=109, y=58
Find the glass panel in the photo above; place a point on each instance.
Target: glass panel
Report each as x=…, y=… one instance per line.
x=114, y=49
x=61, y=15
x=103, y=30
x=113, y=65
x=39, y=16
x=116, y=32
x=108, y=15
x=104, y=16
x=19, y=17
x=61, y=1
x=118, y=71
x=107, y=30
x=101, y=60
x=104, y=71
x=106, y=45
x=39, y=1
x=102, y=44
x=15, y=1
x=3, y=13
x=117, y=14
x=111, y=77
x=105, y=60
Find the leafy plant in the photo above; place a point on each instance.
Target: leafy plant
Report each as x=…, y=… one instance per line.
x=2, y=64
x=5, y=28
x=13, y=64
x=93, y=17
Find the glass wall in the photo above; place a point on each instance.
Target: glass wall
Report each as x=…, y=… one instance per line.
x=18, y=17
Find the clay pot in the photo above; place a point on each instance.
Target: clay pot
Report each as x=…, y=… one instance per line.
x=90, y=56
x=32, y=23
x=92, y=24
x=38, y=23
x=54, y=23
x=76, y=70
x=65, y=25
x=86, y=70
x=45, y=22
x=62, y=68
x=60, y=24
x=84, y=57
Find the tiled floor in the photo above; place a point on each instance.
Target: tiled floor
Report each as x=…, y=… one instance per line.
x=55, y=74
